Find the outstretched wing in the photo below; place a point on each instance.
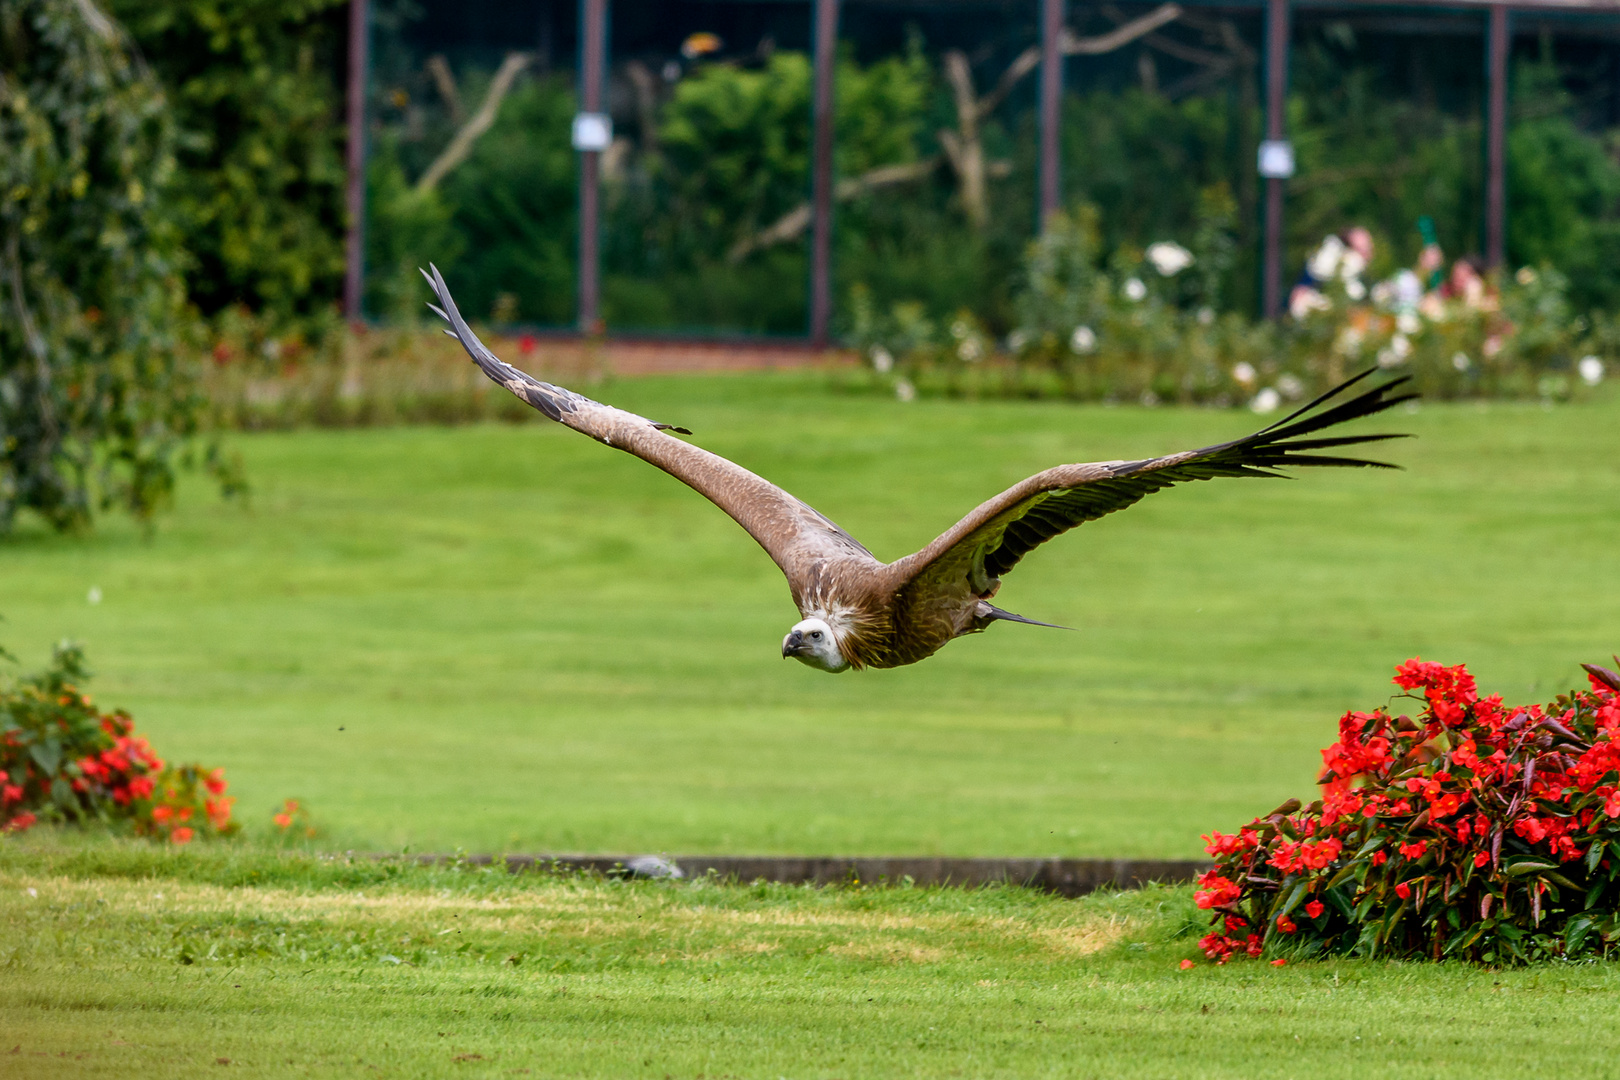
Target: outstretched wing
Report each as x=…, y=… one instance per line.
x=983, y=546
x=792, y=532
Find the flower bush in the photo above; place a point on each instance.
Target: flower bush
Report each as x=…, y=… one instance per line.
x=1475, y=830
x=1146, y=327
x=63, y=760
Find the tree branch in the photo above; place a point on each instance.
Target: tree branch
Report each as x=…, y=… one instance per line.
x=461, y=145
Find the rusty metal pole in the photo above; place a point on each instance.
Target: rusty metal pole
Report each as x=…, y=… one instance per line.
x=354, y=255
x=1050, y=107
x=821, y=171
x=1498, y=41
x=592, y=67
x=1276, y=128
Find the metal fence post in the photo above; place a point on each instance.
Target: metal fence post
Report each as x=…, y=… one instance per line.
x=592, y=66
x=1498, y=41
x=1052, y=12
x=821, y=171
x=354, y=255
x=1276, y=128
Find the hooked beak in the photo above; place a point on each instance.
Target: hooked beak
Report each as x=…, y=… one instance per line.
x=792, y=643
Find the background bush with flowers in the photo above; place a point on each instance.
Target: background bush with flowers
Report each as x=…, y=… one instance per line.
x=1147, y=326
x=1475, y=830
x=63, y=760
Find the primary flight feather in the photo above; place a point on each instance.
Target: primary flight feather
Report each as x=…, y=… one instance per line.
x=857, y=611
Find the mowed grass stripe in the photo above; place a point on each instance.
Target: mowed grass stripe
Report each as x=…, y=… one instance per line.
x=513, y=639
x=117, y=961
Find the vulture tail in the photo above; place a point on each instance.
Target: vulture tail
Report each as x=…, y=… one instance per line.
x=989, y=613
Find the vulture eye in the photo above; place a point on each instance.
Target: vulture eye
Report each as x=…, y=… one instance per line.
x=816, y=634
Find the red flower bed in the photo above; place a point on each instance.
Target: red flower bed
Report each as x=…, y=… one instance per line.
x=1475, y=830
x=61, y=759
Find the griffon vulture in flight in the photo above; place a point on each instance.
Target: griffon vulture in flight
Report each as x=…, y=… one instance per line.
x=859, y=612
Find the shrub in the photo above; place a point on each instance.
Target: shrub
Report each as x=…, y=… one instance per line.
x=63, y=760
x=258, y=188
x=1474, y=831
x=94, y=401
x=1144, y=326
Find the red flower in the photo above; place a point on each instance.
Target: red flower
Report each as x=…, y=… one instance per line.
x=1379, y=857
x=1187, y=964
x=1414, y=850
x=216, y=782
x=12, y=793
x=20, y=822
x=160, y=814
x=1285, y=924
x=1314, y=909
x=1279, y=962
x=1481, y=858
x=285, y=819
x=1219, y=844
x=182, y=835
x=1404, y=891
x=1216, y=891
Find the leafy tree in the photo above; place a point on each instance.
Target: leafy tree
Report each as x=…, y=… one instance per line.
x=94, y=402
x=259, y=189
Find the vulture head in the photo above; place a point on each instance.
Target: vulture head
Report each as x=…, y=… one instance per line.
x=812, y=642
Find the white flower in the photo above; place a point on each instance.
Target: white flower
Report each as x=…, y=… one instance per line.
x=94, y=595
x=1397, y=350
x=1408, y=323
x=1354, y=289
x=1525, y=276
x=1016, y=341
x=1325, y=262
x=1168, y=258
x=1134, y=289
x=1591, y=370
x=1206, y=316
x=970, y=349
x=882, y=360
x=1348, y=343
x=1083, y=340
x=271, y=349
x=904, y=391
x=1406, y=289
x=1266, y=401
x=1243, y=372
x=1351, y=264
x=961, y=329
x=1291, y=387
x=1460, y=361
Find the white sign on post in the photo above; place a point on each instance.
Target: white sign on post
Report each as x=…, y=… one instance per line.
x=592, y=131
x=1276, y=159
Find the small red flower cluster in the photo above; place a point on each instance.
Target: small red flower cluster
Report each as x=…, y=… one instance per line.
x=61, y=759
x=1476, y=830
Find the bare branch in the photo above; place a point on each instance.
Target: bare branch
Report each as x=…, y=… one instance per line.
x=792, y=224
x=461, y=145
x=439, y=68
x=1122, y=35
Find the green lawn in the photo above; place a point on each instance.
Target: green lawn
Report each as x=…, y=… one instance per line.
x=512, y=638
x=117, y=962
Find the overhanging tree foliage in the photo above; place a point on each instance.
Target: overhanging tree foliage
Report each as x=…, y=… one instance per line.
x=94, y=398
x=253, y=86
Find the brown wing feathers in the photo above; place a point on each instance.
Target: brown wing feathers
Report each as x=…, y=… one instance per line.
x=551, y=400
x=1063, y=502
